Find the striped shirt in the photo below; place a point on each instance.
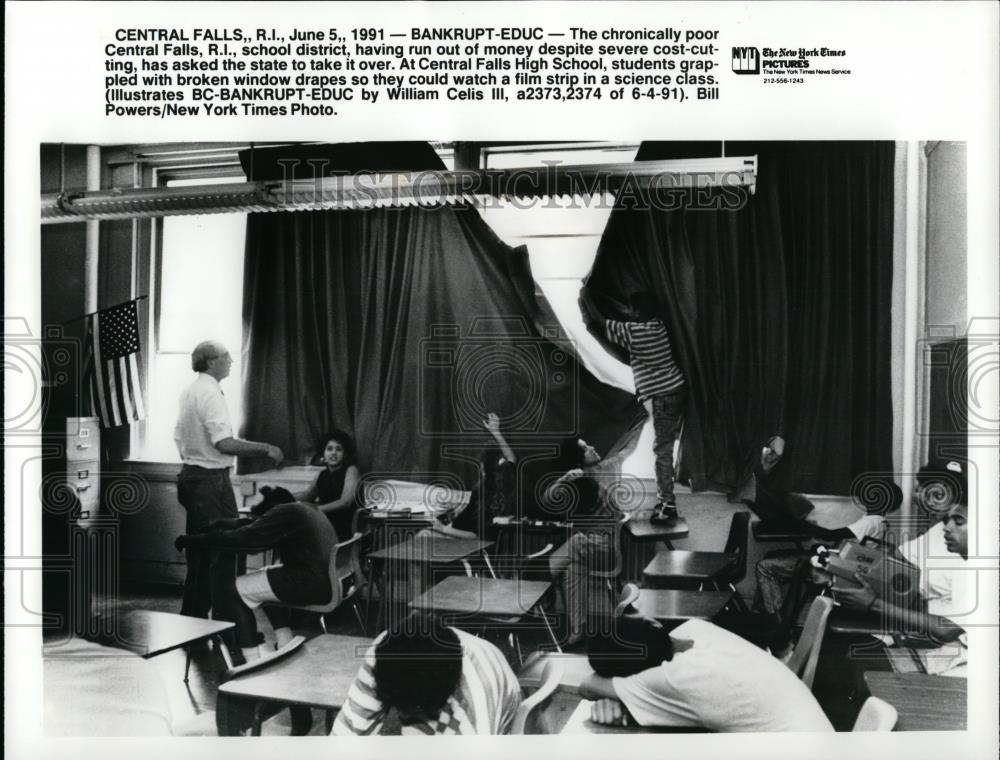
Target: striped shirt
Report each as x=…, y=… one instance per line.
x=484, y=703
x=653, y=366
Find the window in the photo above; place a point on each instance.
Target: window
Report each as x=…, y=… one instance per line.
x=199, y=296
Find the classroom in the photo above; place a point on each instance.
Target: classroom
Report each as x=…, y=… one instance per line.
x=505, y=438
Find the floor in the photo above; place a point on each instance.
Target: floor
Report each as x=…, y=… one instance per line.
x=193, y=702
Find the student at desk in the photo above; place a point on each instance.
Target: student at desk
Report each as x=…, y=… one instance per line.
x=440, y=680
x=945, y=587
x=697, y=676
x=304, y=539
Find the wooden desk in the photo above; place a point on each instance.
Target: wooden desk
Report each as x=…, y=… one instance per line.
x=641, y=529
x=580, y=723
x=686, y=566
x=433, y=549
x=767, y=531
x=672, y=605
x=482, y=597
x=149, y=633
x=319, y=675
x=924, y=703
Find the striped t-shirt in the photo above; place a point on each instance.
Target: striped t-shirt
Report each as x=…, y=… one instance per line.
x=653, y=366
x=487, y=697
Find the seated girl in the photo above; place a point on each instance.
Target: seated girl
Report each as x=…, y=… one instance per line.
x=336, y=486
x=577, y=497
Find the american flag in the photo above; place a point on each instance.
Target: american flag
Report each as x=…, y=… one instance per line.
x=113, y=347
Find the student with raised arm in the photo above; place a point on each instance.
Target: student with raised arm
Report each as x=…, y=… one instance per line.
x=494, y=495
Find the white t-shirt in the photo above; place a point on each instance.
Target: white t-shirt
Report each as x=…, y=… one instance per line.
x=203, y=421
x=948, y=587
x=723, y=683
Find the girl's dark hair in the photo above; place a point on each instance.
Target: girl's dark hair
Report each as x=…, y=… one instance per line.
x=418, y=666
x=633, y=644
x=340, y=437
x=570, y=453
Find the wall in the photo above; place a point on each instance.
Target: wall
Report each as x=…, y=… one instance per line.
x=947, y=243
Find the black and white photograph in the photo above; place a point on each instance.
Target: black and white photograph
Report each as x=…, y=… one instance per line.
x=368, y=434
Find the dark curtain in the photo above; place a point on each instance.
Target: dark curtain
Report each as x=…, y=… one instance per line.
x=778, y=304
x=404, y=327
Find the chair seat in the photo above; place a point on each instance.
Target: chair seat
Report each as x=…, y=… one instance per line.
x=687, y=566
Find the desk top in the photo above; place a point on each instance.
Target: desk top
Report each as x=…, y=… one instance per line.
x=673, y=605
x=149, y=633
x=678, y=563
x=319, y=674
x=580, y=723
x=482, y=596
x=641, y=529
x=435, y=549
x=765, y=530
x=924, y=703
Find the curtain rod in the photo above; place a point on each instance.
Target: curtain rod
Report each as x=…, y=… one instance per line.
x=398, y=189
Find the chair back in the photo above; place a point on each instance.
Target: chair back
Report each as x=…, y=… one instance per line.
x=736, y=544
x=345, y=570
x=806, y=655
x=613, y=571
x=876, y=715
x=531, y=706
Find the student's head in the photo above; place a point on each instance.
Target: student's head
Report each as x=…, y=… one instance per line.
x=956, y=532
x=633, y=644
x=644, y=306
x=575, y=452
x=335, y=449
x=940, y=486
x=772, y=452
x=879, y=495
x=418, y=665
x=489, y=460
x=212, y=358
x=273, y=496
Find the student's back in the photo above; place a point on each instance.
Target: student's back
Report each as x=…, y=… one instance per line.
x=723, y=683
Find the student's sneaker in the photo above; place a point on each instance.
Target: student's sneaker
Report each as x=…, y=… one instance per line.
x=627, y=599
x=665, y=513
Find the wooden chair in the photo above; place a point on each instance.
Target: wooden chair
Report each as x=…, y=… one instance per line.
x=695, y=569
x=806, y=655
x=530, y=706
x=346, y=579
x=876, y=715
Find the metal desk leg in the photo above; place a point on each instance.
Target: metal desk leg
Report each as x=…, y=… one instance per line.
x=224, y=650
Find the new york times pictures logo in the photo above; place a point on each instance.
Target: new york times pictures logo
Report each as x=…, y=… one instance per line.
x=746, y=60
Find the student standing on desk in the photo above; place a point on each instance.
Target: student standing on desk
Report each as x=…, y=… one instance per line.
x=659, y=384
x=336, y=486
